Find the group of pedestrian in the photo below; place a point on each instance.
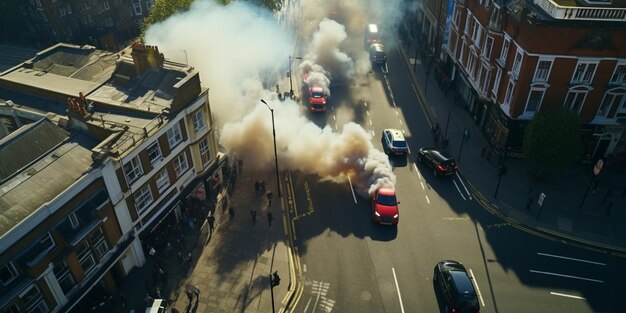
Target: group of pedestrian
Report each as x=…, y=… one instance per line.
x=259, y=187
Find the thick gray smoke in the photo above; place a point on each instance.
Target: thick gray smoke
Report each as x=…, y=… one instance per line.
x=238, y=47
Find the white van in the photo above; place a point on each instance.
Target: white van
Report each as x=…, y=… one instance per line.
x=157, y=306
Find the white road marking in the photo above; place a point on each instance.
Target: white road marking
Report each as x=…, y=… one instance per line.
x=368, y=113
x=398, y=289
x=480, y=296
x=397, y=113
x=568, y=276
x=304, y=267
x=566, y=295
x=572, y=259
x=370, y=122
x=422, y=183
x=460, y=180
x=352, y=189
x=306, y=307
x=334, y=117
x=459, y=190
x=427, y=200
x=365, y=103
x=417, y=171
x=401, y=122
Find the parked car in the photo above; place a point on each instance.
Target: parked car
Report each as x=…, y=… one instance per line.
x=457, y=289
x=385, y=206
x=394, y=142
x=440, y=161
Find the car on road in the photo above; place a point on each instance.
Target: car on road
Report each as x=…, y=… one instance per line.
x=456, y=287
x=317, y=99
x=377, y=54
x=385, y=206
x=394, y=142
x=440, y=161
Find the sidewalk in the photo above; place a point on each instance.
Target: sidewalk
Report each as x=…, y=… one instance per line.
x=599, y=222
x=232, y=269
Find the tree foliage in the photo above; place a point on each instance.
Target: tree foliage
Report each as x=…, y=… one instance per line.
x=162, y=9
x=552, y=139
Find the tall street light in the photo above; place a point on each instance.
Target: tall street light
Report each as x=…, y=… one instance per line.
x=275, y=152
x=290, y=74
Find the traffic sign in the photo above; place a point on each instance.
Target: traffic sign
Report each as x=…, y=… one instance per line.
x=598, y=167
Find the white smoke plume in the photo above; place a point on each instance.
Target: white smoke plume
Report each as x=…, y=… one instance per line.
x=236, y=49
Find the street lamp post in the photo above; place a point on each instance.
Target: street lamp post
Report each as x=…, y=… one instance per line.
x=275, y=152
x=290, y=74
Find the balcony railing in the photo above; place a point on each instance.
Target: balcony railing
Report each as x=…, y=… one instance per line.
x=582, y=13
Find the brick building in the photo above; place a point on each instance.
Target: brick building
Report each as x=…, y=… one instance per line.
x=509, y=59
x=97, y=148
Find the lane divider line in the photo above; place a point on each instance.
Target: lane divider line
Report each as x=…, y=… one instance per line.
x=398, y=289
x=468, y=193
x=352, y=189
x=566, y=295
x=568, y=276
x=459, y=190
x=571, y=259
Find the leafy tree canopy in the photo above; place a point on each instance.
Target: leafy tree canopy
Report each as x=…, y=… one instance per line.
x=552, y=139
x=163, y=9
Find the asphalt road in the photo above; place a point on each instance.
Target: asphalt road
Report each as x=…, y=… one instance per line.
x=351, y=265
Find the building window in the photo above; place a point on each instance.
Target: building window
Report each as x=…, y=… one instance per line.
x=584, y=73
x=143, y=198
x=619, y=77
x=137, y=8
x=108, y=22
x=198, y=121
x=477, y=33
x=468, y=23
x=495, y=15
x=610, y=100
x=33, y=301
x=23, y=10
x=471, y=64
x=505, y=50
x=517, y=64
x=133, y=170
x=542, y=71
x=462, y=53
x=575, y=99
x=154, y=153
x=68, y=8
x=105, y=5
x=162, y=180
x=496, y=82
x=205, y=155
x=87, y=19
x=64, y=277
x=62, y=12
x=174, y=136
x=149, y=4
x=73, y=220
x=8, y=273
x=85, y=258
x=180, y=164
x=84, y=5
x=99, y=243
x=46, y=242
x=483, y=78
x=509, y=93
x=457, y=17
x=42, y=15
x=487, y=48
x=534, y=101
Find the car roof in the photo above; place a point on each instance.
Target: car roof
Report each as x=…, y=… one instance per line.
x=396, y=134
x=440, y=154
x=387, y=191
x=317, y=88
x=462, y=282
x=377, y=47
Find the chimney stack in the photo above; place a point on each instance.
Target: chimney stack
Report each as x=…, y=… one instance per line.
x=145, y=57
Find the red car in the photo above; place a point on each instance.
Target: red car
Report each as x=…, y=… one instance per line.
x=385, y=206
x=317, y=99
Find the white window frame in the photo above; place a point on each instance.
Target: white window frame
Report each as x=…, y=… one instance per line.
x=62, y=273
x=543, y=94
x=496, y=82
x=205, y=151
x=135, y=171
x=137, y=8
x=583, y=76
x=84, y=5
x=47, y=237
x=174, y=136
x=108, y=21
x=483, y=79
x=62, y=11
x=36, y=303
x=105, y=5
x=538, y=71
x=576, y=94
x=73, y=220
x=471, y=64
x=488, y=47
x=607, y=107
x=143, y=198
x=180, y=164
x=199, y=124
x=510, y=88
x=517, y=63
x=619, y=77
x=149, y=4
x=23, y=10
x=477, y=33
x=162, y=180
x=68, y=8
x=457, y=17
x=462, y=54
x=99, y=243
x=468, y=23
x=85, y=255
x=506, y=45
x=154, y=153
x=11, y=270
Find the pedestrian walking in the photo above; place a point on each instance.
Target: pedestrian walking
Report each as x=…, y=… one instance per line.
x=211, y=221
x=269, y=197
x=189, y=295
x=262, y=186
x=270, y=218
x=253, y=214
x=158, y=292
x=196, y=290
x=257, y=186
x=231, y=212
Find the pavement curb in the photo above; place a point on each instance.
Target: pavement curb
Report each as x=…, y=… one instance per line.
x=418, y=91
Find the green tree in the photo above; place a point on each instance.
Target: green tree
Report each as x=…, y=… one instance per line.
x=552, y=139
x=163, y=9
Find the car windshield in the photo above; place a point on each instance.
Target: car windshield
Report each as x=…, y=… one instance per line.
x=467, y=301
x=386, y=200
x=317, y=94
x=399, y=143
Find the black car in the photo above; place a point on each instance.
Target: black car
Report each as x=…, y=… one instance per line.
x=457, y=289
x=441, y=161
x=377, y=54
